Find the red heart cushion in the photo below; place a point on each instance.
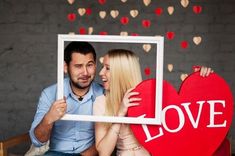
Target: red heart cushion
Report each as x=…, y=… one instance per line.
x=195, y=121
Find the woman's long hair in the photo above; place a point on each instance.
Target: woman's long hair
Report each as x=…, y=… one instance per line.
x=124, y=74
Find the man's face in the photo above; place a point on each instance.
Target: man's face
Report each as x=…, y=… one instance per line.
x=81, y=70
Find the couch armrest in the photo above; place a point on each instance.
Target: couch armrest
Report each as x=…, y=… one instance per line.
x=4, y=145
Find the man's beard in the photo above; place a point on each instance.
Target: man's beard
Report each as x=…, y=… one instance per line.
x=77, y=85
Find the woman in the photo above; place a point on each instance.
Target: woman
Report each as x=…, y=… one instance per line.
x=120, y=73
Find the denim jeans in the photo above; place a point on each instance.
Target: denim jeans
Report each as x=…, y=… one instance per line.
x=55, y=153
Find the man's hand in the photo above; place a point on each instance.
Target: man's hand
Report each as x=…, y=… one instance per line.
x=43, y=130
x=57, y=111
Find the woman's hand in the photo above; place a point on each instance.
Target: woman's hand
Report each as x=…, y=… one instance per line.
x=204, y=71
x=128, y=101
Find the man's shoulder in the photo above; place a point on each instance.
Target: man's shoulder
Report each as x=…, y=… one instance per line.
x=51, y=88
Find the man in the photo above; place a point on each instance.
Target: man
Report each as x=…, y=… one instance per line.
x=69, y=137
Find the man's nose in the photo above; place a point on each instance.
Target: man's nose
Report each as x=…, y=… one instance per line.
x=85, y=72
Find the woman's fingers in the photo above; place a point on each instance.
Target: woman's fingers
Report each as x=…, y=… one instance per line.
x=134, y=99
x=133, y=104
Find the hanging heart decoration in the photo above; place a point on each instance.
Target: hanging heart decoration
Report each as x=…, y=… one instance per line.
x=71, y=17
x=114, y=13
x=88, y=11
x=197, y=9
x=124, y=1
x=103, y=33
x=197, y=40
x=170, y=35
x=134, y=13
x=124, y=20
x=184, y=44
x=146, y=2
x=101, y=59
x=102, y=14
x=146, y=23
x=184, y=3
x=90, y=30
x=183, y=76
x=102, y=2
x=158, y=11
x=82, y=31
x=81, y=11
x=71, y=33
x=134, y=34
x=123, y=33
x=170, y=10
x=147, y=47
x=170, y=67
x=71, y=1
x=147, y=71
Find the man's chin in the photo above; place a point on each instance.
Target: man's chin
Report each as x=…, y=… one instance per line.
x=83, y=85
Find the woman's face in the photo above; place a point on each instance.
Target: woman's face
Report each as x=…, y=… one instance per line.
x=105, y=72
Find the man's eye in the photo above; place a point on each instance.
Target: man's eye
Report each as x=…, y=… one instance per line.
x=90, y=65
x=78, y=66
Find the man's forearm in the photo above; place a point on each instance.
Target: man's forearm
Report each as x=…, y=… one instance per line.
x=43, y=131
x=91, y=151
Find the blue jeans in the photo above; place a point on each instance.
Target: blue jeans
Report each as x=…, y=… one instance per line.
x=55, y=153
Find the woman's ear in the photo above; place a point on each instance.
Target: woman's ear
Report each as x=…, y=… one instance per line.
x=65, y=68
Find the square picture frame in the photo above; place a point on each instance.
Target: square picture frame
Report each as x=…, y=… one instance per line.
x=158, y=40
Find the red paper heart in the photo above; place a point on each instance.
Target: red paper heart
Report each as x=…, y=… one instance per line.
x=88, y=11
x=124, y=20
x=146, y=23
x=71, y=17
x=82, y=31
x=197, y=9
x=184, y=44
x=102, y=2
x=103, y=33
x=134, y=34
x=158, y=11
x=201, y=140
x=147, y=71
x=170, y=35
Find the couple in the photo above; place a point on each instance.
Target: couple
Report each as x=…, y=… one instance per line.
x=120, y=73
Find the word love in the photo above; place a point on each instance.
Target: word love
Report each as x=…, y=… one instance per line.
x=193, y=120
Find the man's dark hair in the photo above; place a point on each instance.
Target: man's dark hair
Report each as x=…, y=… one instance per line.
x=78, y=47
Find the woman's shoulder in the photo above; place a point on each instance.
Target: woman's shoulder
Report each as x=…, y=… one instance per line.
x=99, y=105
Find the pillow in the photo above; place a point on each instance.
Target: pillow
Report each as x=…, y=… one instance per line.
x=33, y=151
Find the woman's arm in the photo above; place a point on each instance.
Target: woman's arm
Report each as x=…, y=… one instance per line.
x=106, y=139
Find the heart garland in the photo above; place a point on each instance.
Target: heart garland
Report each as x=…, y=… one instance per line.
x=102, y=14
x=147, y=47
x=197, y=40
x=170, y=10
x=146, y=23
x=71, y=17
x=134, y=13
x=114, y=13
x=124, y=20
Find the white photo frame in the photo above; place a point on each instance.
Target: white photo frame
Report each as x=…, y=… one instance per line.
x=159, y=40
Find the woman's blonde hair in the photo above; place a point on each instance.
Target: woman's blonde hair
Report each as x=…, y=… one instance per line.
x=124, y=74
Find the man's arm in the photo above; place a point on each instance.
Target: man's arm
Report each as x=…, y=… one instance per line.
x=43, y=130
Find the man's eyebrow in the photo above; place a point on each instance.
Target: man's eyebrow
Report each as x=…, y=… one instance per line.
x=92, y=61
